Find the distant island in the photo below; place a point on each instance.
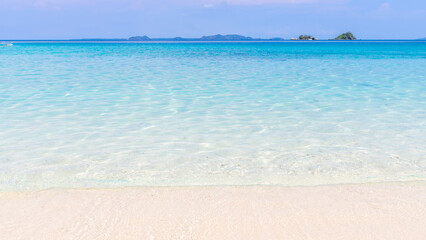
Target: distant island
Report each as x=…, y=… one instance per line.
x=140, y=38
x=305, y=37
x=345, y=36
x=232, y=37
x=219, y=37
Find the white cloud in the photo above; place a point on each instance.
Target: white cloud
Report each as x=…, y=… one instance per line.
x=384, y=7
x=384, y=10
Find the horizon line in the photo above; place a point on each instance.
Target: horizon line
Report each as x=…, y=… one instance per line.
x=173, y=39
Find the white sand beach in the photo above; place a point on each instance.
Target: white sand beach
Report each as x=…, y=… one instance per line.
x=359, y=211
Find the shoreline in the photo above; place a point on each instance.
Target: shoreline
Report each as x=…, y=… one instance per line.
x=393, y=210
x=159, y=187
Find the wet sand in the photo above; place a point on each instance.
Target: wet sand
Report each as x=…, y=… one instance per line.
x=359, y=211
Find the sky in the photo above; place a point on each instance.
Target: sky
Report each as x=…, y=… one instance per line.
x=71, y=19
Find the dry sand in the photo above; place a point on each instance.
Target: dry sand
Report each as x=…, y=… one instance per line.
x=362, y=211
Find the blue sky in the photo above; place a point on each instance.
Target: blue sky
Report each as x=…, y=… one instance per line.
x=65, y=19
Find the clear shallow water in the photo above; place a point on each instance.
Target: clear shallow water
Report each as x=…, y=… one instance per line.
x=115, y=114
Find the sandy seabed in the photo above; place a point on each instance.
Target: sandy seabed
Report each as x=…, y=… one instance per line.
x=359, y=211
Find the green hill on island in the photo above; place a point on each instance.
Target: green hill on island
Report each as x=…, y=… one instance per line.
x=346, y=36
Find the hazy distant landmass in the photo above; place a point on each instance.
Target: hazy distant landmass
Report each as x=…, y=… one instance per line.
x=140, y=38
x=218, y=37
x=232, y=37
x=99, y=39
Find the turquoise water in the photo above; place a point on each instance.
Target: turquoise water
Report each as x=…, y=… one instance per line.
x=167, y=114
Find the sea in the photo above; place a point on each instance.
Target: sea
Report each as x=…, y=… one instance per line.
x=126, y=114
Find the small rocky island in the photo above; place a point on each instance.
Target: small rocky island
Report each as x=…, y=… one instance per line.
x=345, y=36
x=305, y=37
